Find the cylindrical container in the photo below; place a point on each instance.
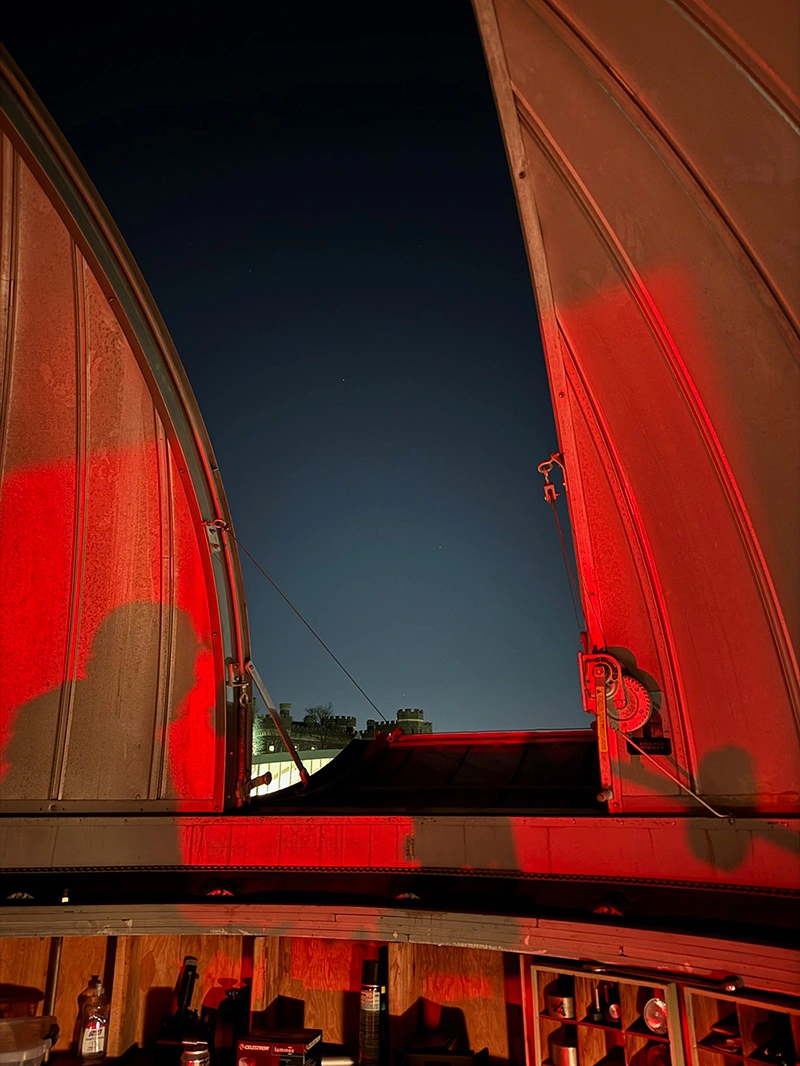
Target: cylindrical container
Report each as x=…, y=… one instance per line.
x=560, y=997
x=613, y=1009
x=563, y=1049
x=595, y=1012
x=195, y=1053
x=369, y=1031
x=94, y=1025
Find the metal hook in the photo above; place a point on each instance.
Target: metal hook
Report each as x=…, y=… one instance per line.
x=551, y=494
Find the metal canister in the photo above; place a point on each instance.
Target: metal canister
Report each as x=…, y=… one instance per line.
x=560, y=1006
x=195, y=1053
x=560, y=997
x=563, y=1053
x=369, y=1033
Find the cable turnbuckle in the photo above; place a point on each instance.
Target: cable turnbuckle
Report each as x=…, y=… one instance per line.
x=551, y=494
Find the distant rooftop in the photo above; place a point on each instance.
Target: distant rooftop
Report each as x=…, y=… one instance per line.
x=513, y=773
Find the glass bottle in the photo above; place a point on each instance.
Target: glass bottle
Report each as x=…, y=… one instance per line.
x=94, y=1025
x=87, y=993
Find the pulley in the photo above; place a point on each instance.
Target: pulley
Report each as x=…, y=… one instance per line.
x=627, y=704
x=636, y=711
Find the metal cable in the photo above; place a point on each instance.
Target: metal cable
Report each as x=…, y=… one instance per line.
x=565, y=556
x=574, y=591
x=572, y=578
x=308, y=626
x=680, y=784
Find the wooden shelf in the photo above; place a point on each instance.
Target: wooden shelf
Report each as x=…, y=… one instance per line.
x=711, y=1016
x=727, y=1026
x=613, y=1058
x=641, y=1055
x=714, y=1050
x=626, y=1043
x=639, y=1028
x=717, y=1049
x=755, y=1056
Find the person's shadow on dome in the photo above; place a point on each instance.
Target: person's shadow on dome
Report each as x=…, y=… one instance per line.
x=104, y=737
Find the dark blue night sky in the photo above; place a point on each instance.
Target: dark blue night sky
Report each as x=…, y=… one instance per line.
x=322, y=208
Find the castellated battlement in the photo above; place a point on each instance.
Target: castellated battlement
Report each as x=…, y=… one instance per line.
x=408, y=714
x=336, y=732
x=409, y=719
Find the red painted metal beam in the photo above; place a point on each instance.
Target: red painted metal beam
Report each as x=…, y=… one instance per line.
x=748, y=854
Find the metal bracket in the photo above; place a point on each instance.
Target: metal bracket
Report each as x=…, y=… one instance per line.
x=602, y=682
x=236, y=679
x=276, y=719
x=263, y=779
x=241, y=686
x=213, y=538
x=551, y=494
x=214, y=529
x=598, y=668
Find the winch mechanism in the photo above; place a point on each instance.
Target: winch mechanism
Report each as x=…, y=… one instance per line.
x=610, y=694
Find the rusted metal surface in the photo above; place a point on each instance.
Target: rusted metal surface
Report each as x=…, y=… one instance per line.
x=655, y=156
x=771, y=968
x=117, y=612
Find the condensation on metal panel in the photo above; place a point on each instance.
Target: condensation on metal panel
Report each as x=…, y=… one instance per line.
x=112, y=690
x=655, y=155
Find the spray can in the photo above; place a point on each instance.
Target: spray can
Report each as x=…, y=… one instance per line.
x=369, y=1032
x=195, y=1053
x=94, y=1025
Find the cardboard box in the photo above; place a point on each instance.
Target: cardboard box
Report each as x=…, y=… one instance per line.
x=447, y=1058
x=280, y=1047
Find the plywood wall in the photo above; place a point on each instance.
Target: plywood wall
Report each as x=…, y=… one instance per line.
x=310, y=982
x=146, y=972
x=23, y=965
x=82, y=957
x=476, y=993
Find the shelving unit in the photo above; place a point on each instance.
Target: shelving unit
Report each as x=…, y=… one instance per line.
x=628, y=1042
x=487, y=999
x=728, y=1031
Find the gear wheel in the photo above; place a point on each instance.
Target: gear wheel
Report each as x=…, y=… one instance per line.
x=637, y=710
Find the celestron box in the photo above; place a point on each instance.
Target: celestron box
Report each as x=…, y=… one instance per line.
x=280, y=1047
